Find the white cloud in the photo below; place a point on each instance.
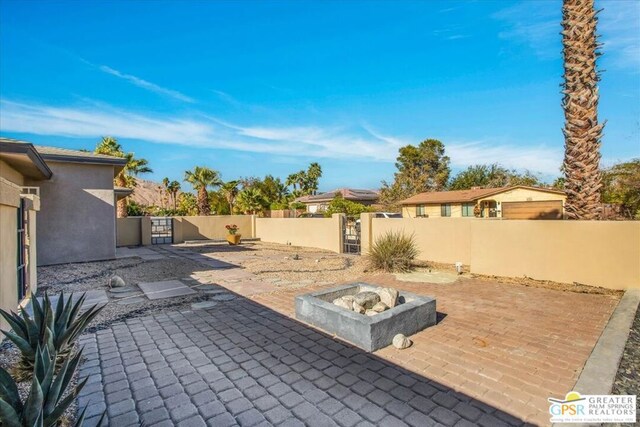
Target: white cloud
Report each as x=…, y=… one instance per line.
x=146, y=85
x=361, y=144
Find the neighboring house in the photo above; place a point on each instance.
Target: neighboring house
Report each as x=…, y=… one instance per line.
x=516, y=202
x=320, y=202
x=77, y=221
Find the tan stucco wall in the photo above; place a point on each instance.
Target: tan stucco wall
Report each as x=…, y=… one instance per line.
x=596, y=253
x=322, y=233
x=210, y=227
x=128, y=231
x=10, y=174
x=77, y=220
x=445, y=240
x=515, y=195
x=8, y=258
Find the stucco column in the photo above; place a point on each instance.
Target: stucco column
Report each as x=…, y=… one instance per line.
x=176, y=226
x=366, y=232
x=145, y=231
x=340, y=222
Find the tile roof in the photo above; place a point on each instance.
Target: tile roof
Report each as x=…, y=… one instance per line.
x=461, y=196
x=347, y=193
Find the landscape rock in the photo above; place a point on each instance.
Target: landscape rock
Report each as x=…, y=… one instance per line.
x=370, y=313
x=344, y=302
x=380, y=307
x=116, y=282
x=358, y=308
x=401, y=342
x=367, y=299
x=389, y=296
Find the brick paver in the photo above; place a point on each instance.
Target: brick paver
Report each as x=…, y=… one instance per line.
x=241, y=363
x=507, y=346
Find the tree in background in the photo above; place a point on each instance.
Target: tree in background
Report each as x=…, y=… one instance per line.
x=187, y=205
x=251, y=201
x=582, y=132
x=341, y=205
x=490, y=176
x=230, y=191
x=622, y=186
x=305, y=182
x=173, y=188
x=274, y=191
x=202, y=177
x=126, y=177
x=422, y=168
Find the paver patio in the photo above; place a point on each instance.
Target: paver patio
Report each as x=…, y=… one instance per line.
x=498, y=352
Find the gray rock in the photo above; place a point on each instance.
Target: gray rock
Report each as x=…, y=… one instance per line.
x=380, y=307
x=370, y=313
x=116, y=282
x=345, y=302
x=358, y=308
x=367, y=299
x=389, y=296
x=401, y=342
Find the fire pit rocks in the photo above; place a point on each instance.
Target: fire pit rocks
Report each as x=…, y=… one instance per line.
x=365, y=315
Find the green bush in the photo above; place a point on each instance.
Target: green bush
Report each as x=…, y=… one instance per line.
x=48, y=397
x=54, y=329
x=393, y=252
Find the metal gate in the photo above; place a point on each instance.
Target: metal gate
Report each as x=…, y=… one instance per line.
x=161, y=230
x=351, y=236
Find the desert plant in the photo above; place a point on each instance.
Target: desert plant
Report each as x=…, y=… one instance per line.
x=48, y=398
x=56, y=330
x=394, y=251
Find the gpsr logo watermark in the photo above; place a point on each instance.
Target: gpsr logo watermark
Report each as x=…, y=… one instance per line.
x=577, y=408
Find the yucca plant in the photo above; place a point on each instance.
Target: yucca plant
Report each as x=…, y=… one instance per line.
x=48, y=398
x=56, y=330
x=393, y=252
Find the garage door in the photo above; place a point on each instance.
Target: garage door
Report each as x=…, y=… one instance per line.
x=550, y=209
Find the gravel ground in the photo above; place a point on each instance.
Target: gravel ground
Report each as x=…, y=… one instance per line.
x=628, y=376
x=275, y=261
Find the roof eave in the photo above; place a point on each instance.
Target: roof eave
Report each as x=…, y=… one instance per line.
x=30, y=151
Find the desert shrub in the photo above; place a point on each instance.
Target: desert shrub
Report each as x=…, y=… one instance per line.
x=52, y=328
x=394, y=251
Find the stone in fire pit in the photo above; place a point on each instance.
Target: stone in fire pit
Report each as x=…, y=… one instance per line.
x=412, y=314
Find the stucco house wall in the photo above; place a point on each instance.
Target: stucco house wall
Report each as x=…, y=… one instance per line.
x=78, y=220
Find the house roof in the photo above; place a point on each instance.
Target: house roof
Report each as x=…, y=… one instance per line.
x=24, y=158
x=347, y=193
x=461, y=196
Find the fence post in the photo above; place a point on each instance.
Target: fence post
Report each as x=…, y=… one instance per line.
x=366, y=232
x=145, y=231
x=340, y=220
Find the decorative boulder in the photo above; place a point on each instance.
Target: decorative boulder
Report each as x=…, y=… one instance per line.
x=389, y=296
x=367, y=299
x=401, y=342
x=116, y=282
x=358, y=308
x=380, y=307
x=370, y=313
x=344, y=302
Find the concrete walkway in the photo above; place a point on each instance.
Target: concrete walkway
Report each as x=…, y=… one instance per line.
x=240, y=363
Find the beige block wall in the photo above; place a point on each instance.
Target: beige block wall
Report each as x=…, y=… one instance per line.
x=211, y=227
x=597, y=253
x=322, y=233
x=129, y=231
x=445, y=240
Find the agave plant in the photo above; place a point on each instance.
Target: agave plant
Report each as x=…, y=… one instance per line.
x=48, y=398
x=56, y=330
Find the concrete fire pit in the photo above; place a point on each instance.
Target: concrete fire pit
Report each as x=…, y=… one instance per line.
x=413, y=314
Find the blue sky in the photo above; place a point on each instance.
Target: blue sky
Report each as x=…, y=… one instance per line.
x=252, y=88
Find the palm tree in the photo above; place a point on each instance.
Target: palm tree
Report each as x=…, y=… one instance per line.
x=314, y=172
x=173, y=187
x=126, y=177
x=251, y=200
x=582, y=132
x=230, y=192
x=202, y=177
x=293, y=180
x=165, y=184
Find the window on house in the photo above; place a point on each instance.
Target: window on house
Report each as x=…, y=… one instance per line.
x=467, y=209
x=445, y=209
x=420, y=211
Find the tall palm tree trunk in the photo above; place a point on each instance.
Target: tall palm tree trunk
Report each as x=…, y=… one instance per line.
x=582, y=132
x=203, y=202
x=121, y=205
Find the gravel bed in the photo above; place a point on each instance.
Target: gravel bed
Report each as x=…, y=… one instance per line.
x=627, y=379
